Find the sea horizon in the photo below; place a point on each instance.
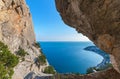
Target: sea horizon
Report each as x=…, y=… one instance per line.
x=70, y=57
x=65, y=41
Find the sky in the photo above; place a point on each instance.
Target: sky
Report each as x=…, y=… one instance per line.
x=48, y=24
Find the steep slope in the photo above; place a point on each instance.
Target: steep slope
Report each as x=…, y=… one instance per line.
x=16, y=31
x=99, y=20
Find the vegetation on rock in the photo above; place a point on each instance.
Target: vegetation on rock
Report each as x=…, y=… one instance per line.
x=7, y=62
x=95, y=69
x=21, y=52
x=41, y=60
x=90, y=70
x=49, y=70
x=37, y=44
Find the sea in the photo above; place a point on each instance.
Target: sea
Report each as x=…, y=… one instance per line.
x=70, y=57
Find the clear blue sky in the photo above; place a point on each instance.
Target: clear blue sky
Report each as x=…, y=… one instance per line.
x=48, y=24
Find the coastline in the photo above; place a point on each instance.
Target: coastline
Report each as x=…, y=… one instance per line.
x=106, y=57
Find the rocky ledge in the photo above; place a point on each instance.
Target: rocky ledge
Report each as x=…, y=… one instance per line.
x=98, y=75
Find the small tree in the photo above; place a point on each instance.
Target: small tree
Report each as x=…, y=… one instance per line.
x=40, y=60
x=49, y=70
x=90, y=70
x=21, y=52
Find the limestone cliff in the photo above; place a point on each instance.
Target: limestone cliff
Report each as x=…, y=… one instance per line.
x=16, y=31
x=99, y=20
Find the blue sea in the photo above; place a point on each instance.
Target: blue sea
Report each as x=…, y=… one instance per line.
x=70, y=57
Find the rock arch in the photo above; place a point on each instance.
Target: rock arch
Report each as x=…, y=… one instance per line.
x=99, y=20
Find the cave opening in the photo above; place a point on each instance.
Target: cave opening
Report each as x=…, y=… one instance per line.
x=75, y=57
x=51, y=31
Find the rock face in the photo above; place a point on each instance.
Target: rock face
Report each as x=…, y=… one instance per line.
x=16, y=30
x=98, y=75
x=99, y=20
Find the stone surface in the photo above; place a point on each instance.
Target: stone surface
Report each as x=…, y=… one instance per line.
x=16, y=30
x=99, y=20
x=108, y=74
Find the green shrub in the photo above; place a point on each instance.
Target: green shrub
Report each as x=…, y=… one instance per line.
x=37, y=45
x=3, y=71
x=7, y=62
x=49, y=70
x=106, y=66
x=90, y=70
x=41, y=60
x=21, y=52
x=11, y=72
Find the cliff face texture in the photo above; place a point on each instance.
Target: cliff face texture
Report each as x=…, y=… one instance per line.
x=99, y=20
x=98, y=75
x=16, y=31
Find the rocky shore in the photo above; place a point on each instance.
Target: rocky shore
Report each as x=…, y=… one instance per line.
x=106, y=57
